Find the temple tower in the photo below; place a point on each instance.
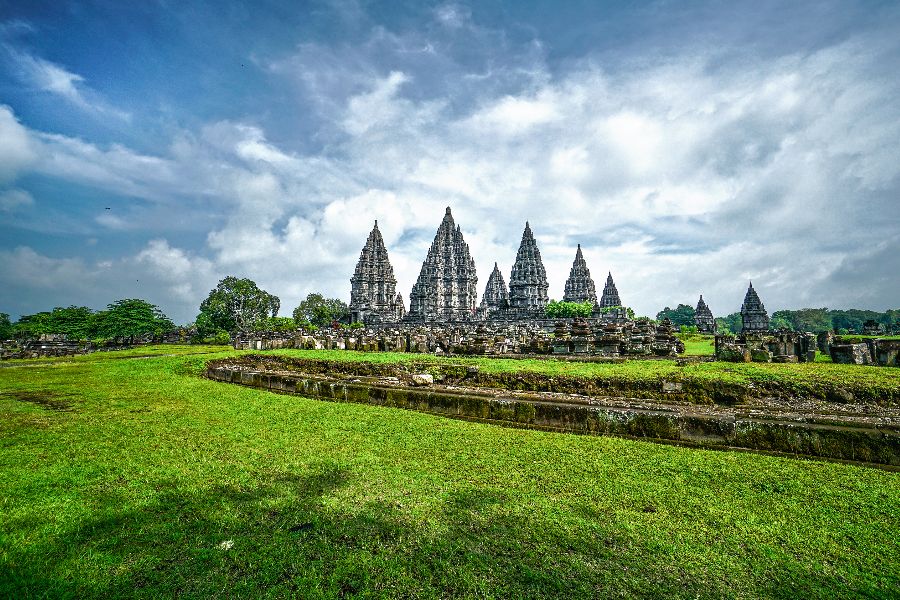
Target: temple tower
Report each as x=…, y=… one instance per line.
x=703, y=318
x=373, y=287
x=753, y=314
x=528, y=281
x=445, y=290
x=610, y=295
x=579, y=285
x=495, y=297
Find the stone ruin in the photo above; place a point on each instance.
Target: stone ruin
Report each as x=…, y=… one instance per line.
x=373, y=287
x=771, y=346
x=755, y=343
x=51, y=345
x=612, y=335
x=445, y=291
x=754, y=317
x=885, y=353
x=703, y=318
x=579, y=285
x=528, y=281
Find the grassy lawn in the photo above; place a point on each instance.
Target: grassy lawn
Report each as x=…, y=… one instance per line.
x=879, y=385
x=697, y=344
x=135, y=477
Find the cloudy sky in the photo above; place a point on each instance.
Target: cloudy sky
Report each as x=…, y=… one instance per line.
x=148, y=149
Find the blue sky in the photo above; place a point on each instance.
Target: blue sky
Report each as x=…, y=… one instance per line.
x=149, y=149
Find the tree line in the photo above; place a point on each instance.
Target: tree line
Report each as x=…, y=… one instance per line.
x=234, y=305
x=815, y=320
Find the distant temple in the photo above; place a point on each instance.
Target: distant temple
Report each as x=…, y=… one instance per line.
x=528, y=281
x=753, y=314
x=373, y=287
x=579, y=285
x=610, y=295
x=703, y=318
x=445, y=289
x=496, y=296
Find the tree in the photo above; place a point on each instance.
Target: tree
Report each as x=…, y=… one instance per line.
x=559, y=310
x=682, y=315
x=130, y=318
x=629, y=312
x=235, y=305
x=732, y=323
x=6, y=328
x=320, y=311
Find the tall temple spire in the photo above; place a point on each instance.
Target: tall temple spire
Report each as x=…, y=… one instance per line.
x=610, y=295
x=373, y=287
x=703, y=318
x=753, y=314
x=579, y=285
x=528, y=281
x=445, y=289
x=495, y=297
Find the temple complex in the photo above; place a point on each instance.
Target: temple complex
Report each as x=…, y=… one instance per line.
x=753, y=314
x=703, y=318
x=373, y=287
x=528, y=281
x=579, y=285
x=496, y=296
x=610, y=295
x=445, y=290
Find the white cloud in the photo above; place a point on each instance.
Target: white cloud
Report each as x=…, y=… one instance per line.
x=16, y=149
x=11, y=200
x=53, y=78
x=678, y=177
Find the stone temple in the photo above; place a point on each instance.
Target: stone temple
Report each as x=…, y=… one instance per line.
x=753, y=314
x=373, y=287
x=703, y=318
x=528, y=281
x=445, y=290
x=579, y=285
x=496, y=296
x=610, y=295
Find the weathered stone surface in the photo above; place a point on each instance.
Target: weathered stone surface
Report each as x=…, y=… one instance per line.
x=420, y=379
x=521, y=399
x=610, y=295
x=445, y=290
x=753, y=314
x=373, y=287
x=528, y=281
x=851, y=354
x=703, y=318
x=579, y=285
x=496, y=296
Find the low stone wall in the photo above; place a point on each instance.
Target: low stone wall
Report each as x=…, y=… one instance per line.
x=722, y=427
x=566, y=337
x=52, y=345
x=885, y=353
x=778, y=346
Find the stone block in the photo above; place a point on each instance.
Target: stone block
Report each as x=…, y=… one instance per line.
x=850, y=354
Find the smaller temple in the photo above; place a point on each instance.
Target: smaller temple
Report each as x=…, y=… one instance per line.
x=496, y=296
x=610, y=295
x=373, y=287
x=579, y=285
x=528, y=280
x=753, y=314
x=703, y=318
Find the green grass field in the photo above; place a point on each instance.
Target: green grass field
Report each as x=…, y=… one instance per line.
x=124, y=477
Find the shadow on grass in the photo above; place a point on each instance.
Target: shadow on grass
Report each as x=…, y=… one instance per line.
x=283, y=538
